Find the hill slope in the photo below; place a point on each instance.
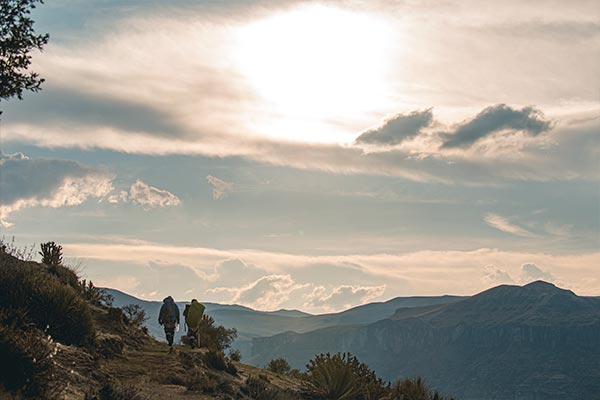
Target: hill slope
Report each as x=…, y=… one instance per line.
x=530, y=342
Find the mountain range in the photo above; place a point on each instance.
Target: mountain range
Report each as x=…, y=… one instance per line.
x=252, y=324
x=510, y=342
x=536, y=341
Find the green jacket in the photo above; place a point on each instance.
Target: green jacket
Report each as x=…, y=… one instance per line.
x=193, y=314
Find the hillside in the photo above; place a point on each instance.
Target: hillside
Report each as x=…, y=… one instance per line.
x=534, y=341
x=90, y=351
x=60, y=339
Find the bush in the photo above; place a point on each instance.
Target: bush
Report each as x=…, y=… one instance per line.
x=26, y=354
x=51, y=253
x=22, y=253
x=109, y=345
x=215, y=359
x=279, y=366
x=214, y=337
x=95, y=295
x=52, y=306
x=235, y=355
x=342, y=376
x=414, y=389
x=258, y=387
x=135, y=315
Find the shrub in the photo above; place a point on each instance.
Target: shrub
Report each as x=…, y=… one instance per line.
x=51, y=305
x=215, y=359
x=51, y=253
x=258, y=387
x=22, y=253
x=279, y=366
x=214, y=337
x=109, y=345
x=413, y=389
x=197, y=380
x=26, y=355
x=95, y=295
x=135, y=315
x=235, y=355
x=342, y=376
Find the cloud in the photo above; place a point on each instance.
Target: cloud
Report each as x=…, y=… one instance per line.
x=495, y=275
x=397, y=129
x=404, y=274
x=496, y=119
x=343, y=296
x=27, y=182
x=530, y=271
x=502, y=224
x=220, y=187
x=148, y=196
x=558, y=230
x=266, y=293
x=236, y=271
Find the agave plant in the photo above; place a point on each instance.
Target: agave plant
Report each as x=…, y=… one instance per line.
x=339, y=377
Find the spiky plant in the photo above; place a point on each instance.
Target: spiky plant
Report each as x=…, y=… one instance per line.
x=51, y=253
x=338, y=377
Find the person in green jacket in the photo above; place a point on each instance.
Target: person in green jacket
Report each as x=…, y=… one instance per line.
x=193, y=317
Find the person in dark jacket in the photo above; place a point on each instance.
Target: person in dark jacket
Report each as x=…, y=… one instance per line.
x=169, y=318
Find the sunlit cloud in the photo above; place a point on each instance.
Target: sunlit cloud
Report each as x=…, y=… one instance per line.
x=27, y=182
x=149, y=196
x=502, y=224
x=494, y=275
x=416, y=273
x=342, y=297
x=220, y=187
x=530, y=271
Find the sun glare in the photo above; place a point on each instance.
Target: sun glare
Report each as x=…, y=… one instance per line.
x=312, y=67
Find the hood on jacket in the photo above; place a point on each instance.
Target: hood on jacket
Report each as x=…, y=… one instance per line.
x=168, y=299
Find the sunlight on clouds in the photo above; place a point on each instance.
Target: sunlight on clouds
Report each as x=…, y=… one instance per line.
x=403, y=274
x=314, y=64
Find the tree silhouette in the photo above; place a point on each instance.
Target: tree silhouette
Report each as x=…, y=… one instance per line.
x=17, y=40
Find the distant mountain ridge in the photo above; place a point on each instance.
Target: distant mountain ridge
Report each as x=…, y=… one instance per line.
x=509, y=342
x=253, y=324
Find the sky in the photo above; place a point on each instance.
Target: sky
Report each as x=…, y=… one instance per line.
x=314, y=155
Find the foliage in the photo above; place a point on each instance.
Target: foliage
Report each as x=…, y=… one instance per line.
x=27, y=357
x=50, y=305
x=51, y=253
x=17, y=40
x=258, y=387
x=214, y=337
x=135, y=314
x=342, y=376
x=235, y=355
x=413, y=389
x=279, y=366
x=215, y=359
x=65, y=275
x=22, y=253
x=197, y=380
x=95, y=295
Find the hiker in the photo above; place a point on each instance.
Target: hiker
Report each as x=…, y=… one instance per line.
x=169, y=318
x=193, y=316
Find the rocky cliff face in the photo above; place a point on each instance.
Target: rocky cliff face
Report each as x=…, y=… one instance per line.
x=531, y=342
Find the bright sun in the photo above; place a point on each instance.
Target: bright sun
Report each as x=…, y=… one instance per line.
x=314, y=68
